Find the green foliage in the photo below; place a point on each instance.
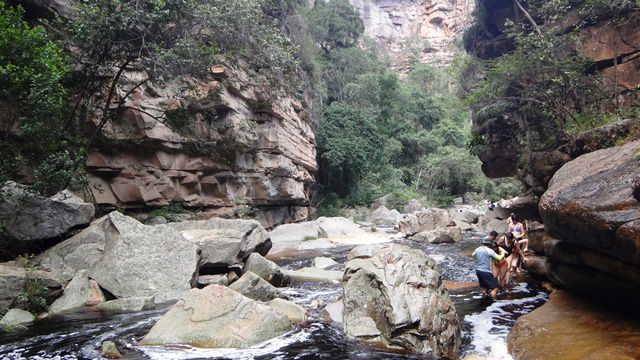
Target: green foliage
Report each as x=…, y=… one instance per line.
x=32, y=96
x=33, y=296
x=553, y=88
x=166, y=211
x=335, y=24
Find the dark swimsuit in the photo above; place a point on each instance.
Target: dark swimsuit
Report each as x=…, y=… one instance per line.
x=509, y=250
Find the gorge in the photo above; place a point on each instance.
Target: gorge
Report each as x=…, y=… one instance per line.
x=306, y=179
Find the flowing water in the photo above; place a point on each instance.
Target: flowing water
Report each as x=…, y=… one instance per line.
x=485, y=324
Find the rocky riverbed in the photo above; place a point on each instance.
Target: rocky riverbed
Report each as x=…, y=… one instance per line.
x=485, y=326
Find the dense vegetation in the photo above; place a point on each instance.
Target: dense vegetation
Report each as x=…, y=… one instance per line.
x=376, y=133
x=545, y=76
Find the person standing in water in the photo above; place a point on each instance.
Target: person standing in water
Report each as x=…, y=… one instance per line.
x=484, y=255
x=502, y=269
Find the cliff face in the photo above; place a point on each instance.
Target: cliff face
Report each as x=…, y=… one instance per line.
x=428, y=28
x=213, y=145
x=613, y=45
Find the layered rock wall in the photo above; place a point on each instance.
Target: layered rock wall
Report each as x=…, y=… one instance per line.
x=427, y=28
x=213, y=144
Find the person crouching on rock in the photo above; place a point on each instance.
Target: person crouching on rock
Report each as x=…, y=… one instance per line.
x=484, y=255
x=518, y=230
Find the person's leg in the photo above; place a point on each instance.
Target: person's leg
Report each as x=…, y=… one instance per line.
x=494, y=293
x=524, y=244
x=503, y=280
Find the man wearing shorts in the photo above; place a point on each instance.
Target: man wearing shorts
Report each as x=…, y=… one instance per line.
x=483, y=255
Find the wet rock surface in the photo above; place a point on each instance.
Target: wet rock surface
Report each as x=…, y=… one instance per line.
x=396, y=299
x=217, y=317
x=569, y=328
x=590, y=208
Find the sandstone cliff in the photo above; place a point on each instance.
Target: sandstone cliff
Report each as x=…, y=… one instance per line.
x=211, y=144
x=611, y=43
x=428, y=28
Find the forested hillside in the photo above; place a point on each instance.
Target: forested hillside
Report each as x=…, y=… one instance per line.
x=74, y=107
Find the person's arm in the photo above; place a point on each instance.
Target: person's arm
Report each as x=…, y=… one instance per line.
x=496, y=256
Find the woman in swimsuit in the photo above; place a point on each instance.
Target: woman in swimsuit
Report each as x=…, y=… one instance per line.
x=519, y=231
x=512, y=253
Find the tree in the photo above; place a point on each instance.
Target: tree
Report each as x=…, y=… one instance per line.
x=34, y=148
x=349, y=145
x=162, y=40
x=335, y=24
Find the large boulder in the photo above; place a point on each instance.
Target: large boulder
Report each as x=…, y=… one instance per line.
x=396, y=298
x=590, y=202
x=26, y=217
x=256, y=288
x=143, y=260
x=81, y=291
x=224, y=242
x=217, y=317
x=292, y=236
x=338, y=227
x=266, y=269
x=383, y=216
x=14, y=279
x=590, y=208
x=569, y=328
x=426, y=220
x=449, y=234
x=81, y=251
x=466, y=214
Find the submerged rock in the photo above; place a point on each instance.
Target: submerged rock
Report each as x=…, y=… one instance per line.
x=255, y=287
x=568, y=328
x=396, y=299
x=81, y=291
x=266, y=269
x=109, y=350
x=27, y=217
x=16, y=317
x=217, y=317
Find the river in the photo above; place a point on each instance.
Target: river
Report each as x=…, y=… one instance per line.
x=485, y=324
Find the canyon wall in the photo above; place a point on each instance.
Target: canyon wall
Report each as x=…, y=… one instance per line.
x=215, y=145
x=612, y=44
x=583, y=184
x=428, y=29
